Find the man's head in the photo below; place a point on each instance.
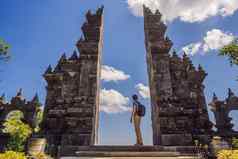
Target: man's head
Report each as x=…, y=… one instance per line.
x=135, y=97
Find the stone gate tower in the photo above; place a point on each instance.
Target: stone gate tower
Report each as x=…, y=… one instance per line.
x=179, y=111
x=72, y=101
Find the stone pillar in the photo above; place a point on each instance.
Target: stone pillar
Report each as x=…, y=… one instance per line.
x=157, y=48
x=72, y=102
x=177, y=98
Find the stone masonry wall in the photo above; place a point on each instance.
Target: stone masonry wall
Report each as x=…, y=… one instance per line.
x=72, y=102
x=179, y=112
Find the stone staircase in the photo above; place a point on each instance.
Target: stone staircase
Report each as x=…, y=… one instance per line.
x=128, y=152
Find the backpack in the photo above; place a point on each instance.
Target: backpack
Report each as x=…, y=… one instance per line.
x=140, y=109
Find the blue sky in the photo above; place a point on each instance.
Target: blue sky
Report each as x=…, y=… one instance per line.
x=40, y=31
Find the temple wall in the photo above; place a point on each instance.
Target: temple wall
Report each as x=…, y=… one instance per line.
x=178, y=104
x=72, y=102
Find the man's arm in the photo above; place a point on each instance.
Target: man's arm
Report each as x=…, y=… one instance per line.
x=132, y=113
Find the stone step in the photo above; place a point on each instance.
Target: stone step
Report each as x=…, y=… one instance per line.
x=130, y=154
x=128, y=151
x=190, y=149
x=180, y=157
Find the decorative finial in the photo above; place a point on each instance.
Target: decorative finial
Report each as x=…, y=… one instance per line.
x=2, y=98
x=89, y=13
x=35, y=99
x=157, y=12
x=74, y=56
x=57, y=68
x=146, y=9
x=200, y=68
x=184, y=55
x=230, y=93
x=63, y=58
x=48, y=70
x=186, y=59
x=19, y=93
x=174, y=53
x=100, y=10
x=214, y=97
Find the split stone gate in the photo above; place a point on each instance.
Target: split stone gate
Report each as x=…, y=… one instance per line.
x=179, y=112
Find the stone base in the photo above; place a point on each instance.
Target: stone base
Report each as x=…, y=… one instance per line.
x=165, y=152
x=176, y=140
x=204, y=139
x=161, y=157
x=76, y=139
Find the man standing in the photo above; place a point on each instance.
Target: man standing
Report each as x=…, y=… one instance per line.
x=137, y=113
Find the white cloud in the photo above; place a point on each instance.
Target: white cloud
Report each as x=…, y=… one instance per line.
x=143, y=90
x=215, y=39
x=109, y=73
x=186, y=10
x=112, y=101
x=192, y=48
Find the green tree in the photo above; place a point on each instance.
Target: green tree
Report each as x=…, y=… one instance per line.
x=235, y=143
x=18, y=131
x=16, y=115
x=4, y=50
x=231, y=51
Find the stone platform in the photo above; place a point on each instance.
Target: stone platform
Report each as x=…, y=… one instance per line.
x=120, y=152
